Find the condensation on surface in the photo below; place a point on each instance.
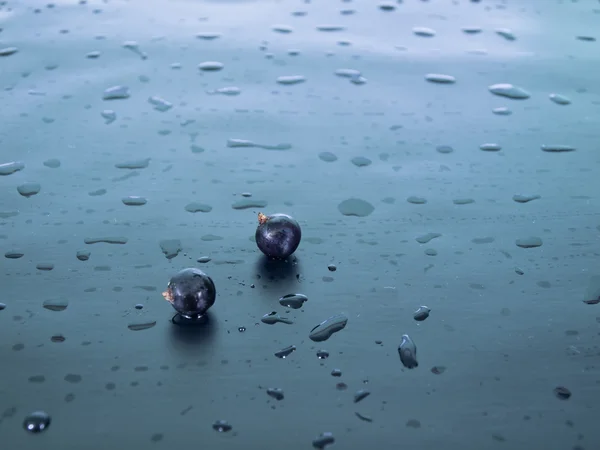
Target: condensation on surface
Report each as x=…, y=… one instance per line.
x=440, y=153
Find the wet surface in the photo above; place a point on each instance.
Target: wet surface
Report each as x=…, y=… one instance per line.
x=440, y=153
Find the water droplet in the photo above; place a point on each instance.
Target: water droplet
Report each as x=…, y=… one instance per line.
x=424, y=239
x=29, y=189
x=323, y=440
x=356, y=207
x=244, y=143
x=14, y=254
x=139, y=306
x=360, y=395
x=273, y=318
x=586, y=38
x=208, y=36
x=529, y=242
x=7, y=51
x=134, y=200
x=294, y=301
x=387, y=6
x=327, y=157
x=139, y=326
x=347, y=73
x=330, y=28
x=562, y=393
x=336, y=373
x=285, y=352
x=408, y=352
x=52, y=163
x=203, y=259
x=423, y=31
x=241, y=329
x=116, y=93
x=55, y=304
x=249, y=203
x=228, y=90
x=160, y=104
x=509, y=91
x=276, y=393
x=58, y=338
x=440, y=78
x=361, y=161
x=322, y=354
x=11, y=167
x=195, y=207
x=108, y=240
x=210, y=66
x=463, y=201
x=332, y=267
x=519, y=198
x=557, y=148
x=2, y=306
x=341, y=386
x=444, y=149
x=506, y=34
x=502, y=111
x=421, y=313
x=490, y=147
x=416, y=200
x=471, y=30
x=37, y=421
x=328, y=327
x=285, y=29
x=135, y=48
x=222, y=426
x=291, y=79
x=170, y=247
x=560, y=99
x=438, y=370
x=93, y=55
x=134, y=164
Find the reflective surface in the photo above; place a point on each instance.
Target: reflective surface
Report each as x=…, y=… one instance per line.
x=434, y=153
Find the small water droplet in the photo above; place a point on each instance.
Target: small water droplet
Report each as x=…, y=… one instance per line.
x=276, y=393
x=222, y=426
x=291, y=79
x=440, y=78
x=332, y=267
x=336, y=373
x=323, y=440
x=322, y=354
x=211, y=66
x=141, y=325
x=423, y=31
x=284, y=353
x=560, y=99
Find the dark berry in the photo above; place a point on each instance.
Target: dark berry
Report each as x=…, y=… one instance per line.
x=191, y=292
x=278, y=235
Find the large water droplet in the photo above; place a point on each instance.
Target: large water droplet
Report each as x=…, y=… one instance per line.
x=294, y=301
x=328, y=327
x=408, y=352
x=356, y=207
x=37, y=421
x=509, y=91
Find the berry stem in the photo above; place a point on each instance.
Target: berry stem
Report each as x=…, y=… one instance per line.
x=262, y=219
